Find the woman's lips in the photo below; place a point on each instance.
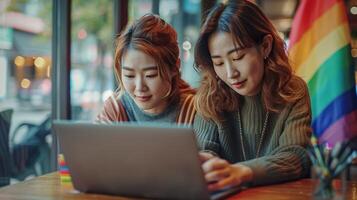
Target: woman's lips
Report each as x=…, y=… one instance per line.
x=239, y=85
x=143, y=98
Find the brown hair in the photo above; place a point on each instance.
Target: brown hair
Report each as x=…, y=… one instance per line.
x=156, y=38
x=248, y=25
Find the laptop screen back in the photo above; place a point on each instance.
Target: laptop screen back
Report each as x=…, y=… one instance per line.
x=132, y=160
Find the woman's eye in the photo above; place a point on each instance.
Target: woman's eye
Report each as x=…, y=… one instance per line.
x=238, y=57
x=151, y=75
x=129, y=76
x=218, y=64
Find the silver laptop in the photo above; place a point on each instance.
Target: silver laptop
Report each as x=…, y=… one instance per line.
x=149, y=161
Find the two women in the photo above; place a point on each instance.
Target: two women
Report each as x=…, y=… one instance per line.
x=253, y=121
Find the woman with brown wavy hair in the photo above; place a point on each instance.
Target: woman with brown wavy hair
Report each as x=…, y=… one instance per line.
x=253, y=122
x=147, y=68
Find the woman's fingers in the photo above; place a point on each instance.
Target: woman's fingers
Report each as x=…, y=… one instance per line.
x=224, y=183
x=217, y=175
x=229, y=176
x=214, y=164
x=204, y=156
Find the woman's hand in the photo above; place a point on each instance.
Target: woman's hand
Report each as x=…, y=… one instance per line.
x=204, y=156
x=220, y=174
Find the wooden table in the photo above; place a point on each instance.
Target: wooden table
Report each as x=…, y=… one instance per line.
x=49, y=187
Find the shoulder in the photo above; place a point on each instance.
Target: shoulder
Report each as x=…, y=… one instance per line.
x=302, y=90
x=113, y=109
x=300, y=82
x=186, y=99
x=201, y=123
x=296, y=91
x=301, y=104
x=187, y=109
x=114, y=101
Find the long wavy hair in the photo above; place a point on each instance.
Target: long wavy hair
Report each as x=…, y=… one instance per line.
x=153, y=36
x=248, y=25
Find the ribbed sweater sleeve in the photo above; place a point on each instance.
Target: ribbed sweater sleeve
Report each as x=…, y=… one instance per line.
x=206, y=134
x=289, y=160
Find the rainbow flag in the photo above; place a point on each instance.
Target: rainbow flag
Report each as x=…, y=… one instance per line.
x=319, y=50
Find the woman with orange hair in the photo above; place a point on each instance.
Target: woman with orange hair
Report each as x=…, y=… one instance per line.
x=147, y=67
x=253, y=122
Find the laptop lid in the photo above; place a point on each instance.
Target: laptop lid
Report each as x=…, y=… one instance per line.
x=151, y=161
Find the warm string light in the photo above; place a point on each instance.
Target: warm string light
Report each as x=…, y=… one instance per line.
x=19, y=61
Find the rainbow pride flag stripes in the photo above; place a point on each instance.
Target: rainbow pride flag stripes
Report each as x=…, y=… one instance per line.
x=63, y=170
x=319, y=50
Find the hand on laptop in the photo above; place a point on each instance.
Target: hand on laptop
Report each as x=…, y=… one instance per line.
x=220, y=174
x=204, y=156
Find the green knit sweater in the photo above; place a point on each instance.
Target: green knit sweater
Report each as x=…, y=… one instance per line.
x=282, y=154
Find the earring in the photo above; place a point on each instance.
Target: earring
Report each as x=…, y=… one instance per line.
x=266, y=57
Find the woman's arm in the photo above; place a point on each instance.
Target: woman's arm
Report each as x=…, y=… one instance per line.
x=219, y=174
x=206, y=132
x=286, y=162
x=289, y=160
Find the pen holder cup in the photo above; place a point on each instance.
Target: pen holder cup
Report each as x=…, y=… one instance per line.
x=328, y=165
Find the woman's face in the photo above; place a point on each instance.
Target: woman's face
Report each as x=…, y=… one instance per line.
x=141, y=79
x=242, y=69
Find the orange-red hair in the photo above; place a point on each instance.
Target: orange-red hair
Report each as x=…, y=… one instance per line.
x=153, y=36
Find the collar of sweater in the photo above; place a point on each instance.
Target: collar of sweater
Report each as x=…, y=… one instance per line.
x=252, y=101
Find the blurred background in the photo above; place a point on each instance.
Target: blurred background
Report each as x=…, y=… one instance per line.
x=26, y=45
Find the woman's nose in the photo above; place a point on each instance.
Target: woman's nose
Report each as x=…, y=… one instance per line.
x=140, y=84
x=232, y=72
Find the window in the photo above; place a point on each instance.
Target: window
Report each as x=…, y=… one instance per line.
x=25, y=85
x=92, y=78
